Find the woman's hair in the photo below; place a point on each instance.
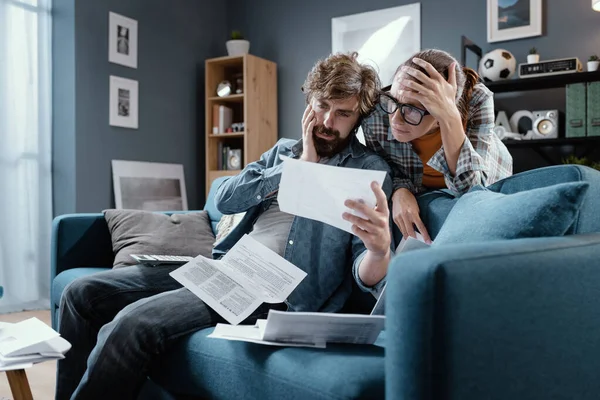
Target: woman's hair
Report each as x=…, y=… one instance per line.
x=466, y=78
x=341, y=76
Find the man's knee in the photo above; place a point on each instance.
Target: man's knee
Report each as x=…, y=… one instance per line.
x=82, y=290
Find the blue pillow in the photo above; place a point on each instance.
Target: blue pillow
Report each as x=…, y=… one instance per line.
x=482, y=214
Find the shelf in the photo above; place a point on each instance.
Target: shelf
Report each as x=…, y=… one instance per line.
x=226, y=61
x=227, y=135
x=553, y=142
x=232, y=98
x=544, y=82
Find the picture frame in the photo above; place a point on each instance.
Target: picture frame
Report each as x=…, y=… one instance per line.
x=383, y=38
x=513, y=19
x=123, y=104
x=149, y=186
x=122, y=40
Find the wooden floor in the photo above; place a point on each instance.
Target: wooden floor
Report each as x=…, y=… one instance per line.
x=42, y=376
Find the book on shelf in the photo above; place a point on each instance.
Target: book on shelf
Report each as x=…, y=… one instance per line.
x=222, y=118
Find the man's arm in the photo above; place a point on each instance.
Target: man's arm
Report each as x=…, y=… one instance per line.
x=372, y=248
x=258, y=181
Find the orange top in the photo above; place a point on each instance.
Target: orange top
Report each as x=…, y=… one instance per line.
x=425, y=147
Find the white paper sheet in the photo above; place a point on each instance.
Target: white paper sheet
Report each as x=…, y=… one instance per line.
x=253, y=334
x=318, y=191
x=315, y=327
x=25, y=337
x=239, y=283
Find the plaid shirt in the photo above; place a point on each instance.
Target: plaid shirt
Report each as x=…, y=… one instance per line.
x=483, y=159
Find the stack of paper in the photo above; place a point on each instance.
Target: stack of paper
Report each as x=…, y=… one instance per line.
x=29, y=342
x=305, y=329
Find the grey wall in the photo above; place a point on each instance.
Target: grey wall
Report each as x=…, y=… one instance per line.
x=174, y=39
x=295, y=34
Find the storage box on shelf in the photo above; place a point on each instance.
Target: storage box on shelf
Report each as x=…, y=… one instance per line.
x=255, y=106
x=587, y=142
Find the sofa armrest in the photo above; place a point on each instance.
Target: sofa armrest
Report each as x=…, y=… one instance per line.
x=80, y=240
x=513, y=319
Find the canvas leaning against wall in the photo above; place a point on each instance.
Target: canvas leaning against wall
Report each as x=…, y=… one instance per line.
x=149, y=186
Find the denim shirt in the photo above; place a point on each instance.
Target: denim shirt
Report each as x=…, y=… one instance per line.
x=329, y=256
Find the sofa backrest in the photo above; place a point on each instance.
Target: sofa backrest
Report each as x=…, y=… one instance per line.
x=435, y=206
x=210, y=207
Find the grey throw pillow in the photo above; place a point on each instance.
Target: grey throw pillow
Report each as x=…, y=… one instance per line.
x=144, y=232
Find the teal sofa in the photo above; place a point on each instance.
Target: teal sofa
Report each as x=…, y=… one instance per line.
x=504, y=319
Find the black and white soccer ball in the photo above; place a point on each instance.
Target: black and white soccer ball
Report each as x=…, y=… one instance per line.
x=497, y=65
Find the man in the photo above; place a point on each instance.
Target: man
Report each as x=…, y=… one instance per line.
x=339, y=92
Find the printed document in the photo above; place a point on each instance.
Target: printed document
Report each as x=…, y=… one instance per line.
x=305, y=329
x=318, y=191
x=235, y=286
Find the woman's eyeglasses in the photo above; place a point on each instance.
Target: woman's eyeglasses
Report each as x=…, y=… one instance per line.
x=411, y=114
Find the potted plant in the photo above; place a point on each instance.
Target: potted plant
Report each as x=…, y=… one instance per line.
x=593, y=62
x=237, y=45
x=533, y=56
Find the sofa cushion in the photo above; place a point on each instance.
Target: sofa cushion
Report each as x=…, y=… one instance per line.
x=64, y=278
x=482, y=214
x=144, y=232
x=216, y=368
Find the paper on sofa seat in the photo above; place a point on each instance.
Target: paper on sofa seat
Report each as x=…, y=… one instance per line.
x=306, y=329
x=250, y=274
x=318, y=191
x=253, y=334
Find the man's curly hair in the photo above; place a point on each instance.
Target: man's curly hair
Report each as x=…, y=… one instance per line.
x=341, y=76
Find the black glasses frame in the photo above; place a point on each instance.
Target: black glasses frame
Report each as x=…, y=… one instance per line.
x=403, y=107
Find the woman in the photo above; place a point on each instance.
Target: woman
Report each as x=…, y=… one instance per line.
x=434, y=127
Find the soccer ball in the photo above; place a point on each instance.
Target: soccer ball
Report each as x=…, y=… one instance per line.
x=497, y=65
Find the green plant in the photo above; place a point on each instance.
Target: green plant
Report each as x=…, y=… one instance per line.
x=533, y=50
x=237, y=35
x=593, y=58
x=572, y=159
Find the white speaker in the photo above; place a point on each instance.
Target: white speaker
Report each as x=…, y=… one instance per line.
x=234, y=159
x=545, y=124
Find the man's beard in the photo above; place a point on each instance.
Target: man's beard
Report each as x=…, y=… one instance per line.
x=329, y=147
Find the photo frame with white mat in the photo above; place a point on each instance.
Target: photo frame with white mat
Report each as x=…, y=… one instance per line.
x=149, y=186
x=123, y=104
x=122, y=40
x=513, y=19
x=383, y=38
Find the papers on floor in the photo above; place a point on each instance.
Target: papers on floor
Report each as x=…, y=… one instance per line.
x=29, y=342
x=318, y=191
x=250, y=274
x=405, y=245
x=305, y=329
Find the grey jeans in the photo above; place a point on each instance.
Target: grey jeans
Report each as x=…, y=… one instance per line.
x=119, y=322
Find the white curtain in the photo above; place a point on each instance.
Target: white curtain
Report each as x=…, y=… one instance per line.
x=25, y=154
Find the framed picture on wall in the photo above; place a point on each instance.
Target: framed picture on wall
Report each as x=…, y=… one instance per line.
x=383, y=38
x=149, y=186
x=513, y=19
x=122, y=40
x=123, y=104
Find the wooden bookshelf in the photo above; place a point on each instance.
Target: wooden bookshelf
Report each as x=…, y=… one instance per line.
x=256, y=106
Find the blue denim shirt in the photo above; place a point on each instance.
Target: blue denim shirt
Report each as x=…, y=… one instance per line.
x=329, y=256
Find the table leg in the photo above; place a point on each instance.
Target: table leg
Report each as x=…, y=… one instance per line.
x=19, y=386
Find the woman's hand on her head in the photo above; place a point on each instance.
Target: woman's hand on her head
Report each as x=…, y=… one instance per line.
x=437, y=94
x=406, y=214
